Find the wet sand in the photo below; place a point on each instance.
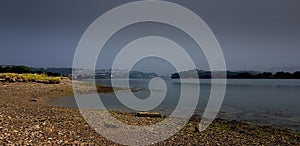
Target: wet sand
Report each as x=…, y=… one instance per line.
x=25, y=119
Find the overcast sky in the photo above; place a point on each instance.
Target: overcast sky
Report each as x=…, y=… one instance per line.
x=254, y=34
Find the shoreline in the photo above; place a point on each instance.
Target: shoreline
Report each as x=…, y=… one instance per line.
x=26, y=119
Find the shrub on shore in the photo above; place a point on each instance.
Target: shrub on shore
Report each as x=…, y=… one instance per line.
x=27, y=77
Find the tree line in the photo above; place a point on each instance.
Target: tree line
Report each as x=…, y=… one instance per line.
x=236, y=75
x=25, y=69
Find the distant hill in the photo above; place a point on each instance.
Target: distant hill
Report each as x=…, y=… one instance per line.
x=285, y=68
x=107, y=73
x=235, y=75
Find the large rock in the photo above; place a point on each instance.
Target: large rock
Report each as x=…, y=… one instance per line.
x=7, y=79
x=20, y=80
x=12, y=80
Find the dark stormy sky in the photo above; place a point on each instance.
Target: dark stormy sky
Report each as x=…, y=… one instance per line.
x=254, y=34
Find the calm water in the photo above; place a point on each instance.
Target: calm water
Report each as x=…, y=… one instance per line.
x=266, y=102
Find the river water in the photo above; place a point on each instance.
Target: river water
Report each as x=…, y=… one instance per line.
x=265, y=102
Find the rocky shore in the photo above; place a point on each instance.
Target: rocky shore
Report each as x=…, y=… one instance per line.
x=26, y=120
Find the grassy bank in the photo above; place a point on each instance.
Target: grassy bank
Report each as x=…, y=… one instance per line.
x=40, y=78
